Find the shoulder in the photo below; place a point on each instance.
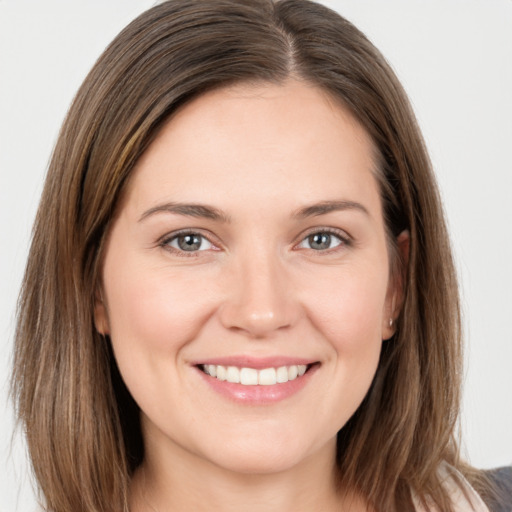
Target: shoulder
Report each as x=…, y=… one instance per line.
x=502, y=480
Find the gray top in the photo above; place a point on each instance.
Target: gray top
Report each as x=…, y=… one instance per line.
x=502, y=479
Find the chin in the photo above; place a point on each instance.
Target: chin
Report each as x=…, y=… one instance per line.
x=266, y=457
x=258, y=463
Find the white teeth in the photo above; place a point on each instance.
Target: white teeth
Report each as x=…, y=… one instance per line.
x=221, y=373
x=248, y=376
x=267, y=377
x=233, y=374
x=282, y=374
x=253, y=377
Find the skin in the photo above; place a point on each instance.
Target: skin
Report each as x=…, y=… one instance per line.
x=257, y=287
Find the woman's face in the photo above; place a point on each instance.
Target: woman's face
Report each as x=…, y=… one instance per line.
x=250, y=245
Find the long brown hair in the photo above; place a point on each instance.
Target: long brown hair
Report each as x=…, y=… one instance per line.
x=81, y=423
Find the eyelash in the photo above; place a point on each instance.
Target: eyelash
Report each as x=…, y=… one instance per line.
x=167, y=239
x=345, y=241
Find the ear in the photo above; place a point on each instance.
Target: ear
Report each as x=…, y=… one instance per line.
x=396, y=288
x=100, y=313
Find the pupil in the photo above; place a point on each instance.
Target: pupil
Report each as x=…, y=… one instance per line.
x=320, y=241
x=189, y=242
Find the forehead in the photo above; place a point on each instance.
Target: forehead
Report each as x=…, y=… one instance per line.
x=291, y=142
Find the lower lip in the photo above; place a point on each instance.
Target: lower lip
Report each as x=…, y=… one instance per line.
x=254, y=395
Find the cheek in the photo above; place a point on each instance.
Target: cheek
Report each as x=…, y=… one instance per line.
x=152, y=307
x=153, y=315
x=348, y=308
x=349, y=317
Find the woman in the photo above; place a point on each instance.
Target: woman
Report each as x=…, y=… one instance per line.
x=240, y=231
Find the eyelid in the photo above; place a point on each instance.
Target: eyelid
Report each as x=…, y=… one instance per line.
x=165, y=240
x=345, y=238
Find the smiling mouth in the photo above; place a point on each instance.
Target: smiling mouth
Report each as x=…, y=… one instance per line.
x=253, y=377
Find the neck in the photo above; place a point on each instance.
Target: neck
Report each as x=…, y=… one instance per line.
x=188, y=482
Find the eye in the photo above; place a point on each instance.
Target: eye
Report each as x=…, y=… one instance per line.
x=188, y=242
x=321, y=241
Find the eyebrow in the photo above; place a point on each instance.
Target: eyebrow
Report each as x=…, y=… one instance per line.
x=189, y=210
x=324, y=207
x=209, y=212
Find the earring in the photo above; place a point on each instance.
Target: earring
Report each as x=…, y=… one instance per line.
x=390, y=322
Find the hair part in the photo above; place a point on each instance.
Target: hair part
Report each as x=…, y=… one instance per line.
x=81, y=423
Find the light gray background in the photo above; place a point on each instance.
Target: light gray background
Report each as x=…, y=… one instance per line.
x=454, y=58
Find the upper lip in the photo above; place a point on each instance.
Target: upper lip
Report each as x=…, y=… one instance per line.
x=258, y=363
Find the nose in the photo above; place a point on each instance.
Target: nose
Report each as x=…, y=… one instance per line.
x=260, y=298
